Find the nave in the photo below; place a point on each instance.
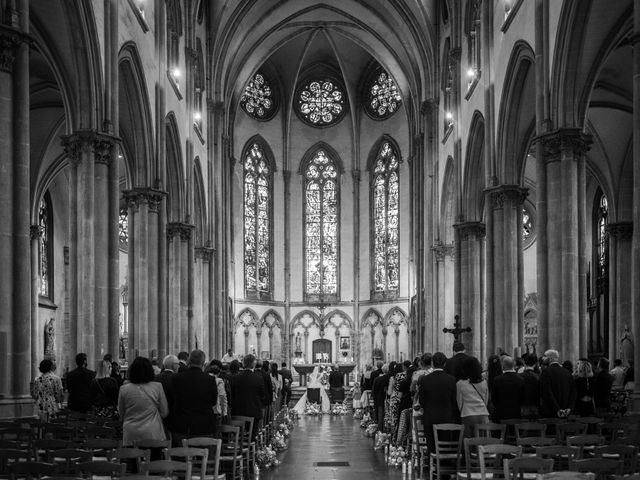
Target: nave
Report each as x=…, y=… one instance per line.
x=328, y=438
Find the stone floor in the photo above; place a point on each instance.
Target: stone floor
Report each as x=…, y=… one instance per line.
x=331, y=439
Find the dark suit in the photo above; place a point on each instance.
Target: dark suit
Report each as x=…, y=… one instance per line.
x=531, y=400
x=194, y=395
x=380, y=385
x=336, y=384
x=166, y=379
x=268, y=387
x=287, y=380
x=454, y=365
x=602, y=390
x=557, y=389
x=78, y=385
x=248, y=394
x=375, y=374
x=437, y=396
x=507, y=395
x=182, y=367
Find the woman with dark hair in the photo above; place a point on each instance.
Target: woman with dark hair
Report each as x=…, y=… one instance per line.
x=47, y=391
x=142, y=404
x=393, y=413
x=494, y=368
x=276, y=382
x=472, y=395
x=104, y=392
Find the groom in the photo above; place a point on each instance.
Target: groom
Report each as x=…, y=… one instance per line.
x=336, y=384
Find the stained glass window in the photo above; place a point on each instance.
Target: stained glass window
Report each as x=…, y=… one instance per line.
x=321, y=227
x=384, y=96
x=44, y=225
x=123, y=228
x=257, y=222
x=258, y=99
x=603, y=239
x=528, y=227
x=321, y=103
x=386, y=209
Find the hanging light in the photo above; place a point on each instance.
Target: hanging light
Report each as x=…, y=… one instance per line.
x=448, y=116
x=197, y=116
x=471, y=73
x=175, y=72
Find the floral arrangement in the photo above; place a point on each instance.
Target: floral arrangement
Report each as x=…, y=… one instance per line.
x=358, y=414
x=371, y=430
x=339, y=409
x=366, y=420
x=313, y=409
x=381, y=440
x=284, y=430
x=278, y=442
x=397, y=456
x=266, y=458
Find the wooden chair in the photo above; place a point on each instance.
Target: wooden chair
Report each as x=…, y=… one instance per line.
x=510, y=434
x=566, y=475
x=57, y=431
x=243, y=445
x=586, y=443
x=95, y=431
x=44, y=449
x=156, y=447
x=495, y=430
x=591, y=423
x=419, y=444
x=17, y=434
x=492, y=456
x=613, y=430
x=102, y=468
x=529, y=429
x=516, y=468
x=627, y=453
x=191, y=455
x=30, y=470
x=231, y=459
x=446, y=458
x=214, y=447
x=570, y=429
x=129, y=455
x=100, y=447
x=602, y=467
x=248, y=441
x=9, y=456
x=560, y=454
x=167, y=468
x=67, y=459
x=471, y=456
x=529, y=444
x=551, y=423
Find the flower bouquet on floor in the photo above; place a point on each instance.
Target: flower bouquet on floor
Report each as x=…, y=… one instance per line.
x=358, y=414
x=339, y=409
x=313, y=409
x=266, y=458
x=371, y=430
x=283, y=429
x=381, y=439
x=397, y=456
x=366, y=420
x=279, y=443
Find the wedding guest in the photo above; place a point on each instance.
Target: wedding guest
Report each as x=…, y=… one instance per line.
x=494, y=369
x=47, y=391
x=379, y=391
x=602, y=384
x=268, y=386
x=115, y=373
x=104, y=392
x=276, y=384
x=248, y=393
x=472, y=395
x=287, y=381
x=336, y=384
x=531, y=399
x=617, y=373
x=584, y=385
x=194, y=395
x=454, y=364
x=154, y=365
x=629, y=378
x=221, y=408
x=365, y=379
x=393, y=413
x=183, y=358
x=557, y=387
x=508, y=391
x=78, y=383
x=377, y=372
x=142, y=404
x=424, y=368
x=170, y=365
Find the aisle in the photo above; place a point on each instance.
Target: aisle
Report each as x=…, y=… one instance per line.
x=331, y=439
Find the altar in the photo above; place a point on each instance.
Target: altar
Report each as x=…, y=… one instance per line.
x=304, y=369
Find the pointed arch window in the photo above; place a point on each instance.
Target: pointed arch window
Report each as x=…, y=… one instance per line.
x=321, y=226
x=258, y=214
x=602, y=237
x=45, y=247
x=385, y=189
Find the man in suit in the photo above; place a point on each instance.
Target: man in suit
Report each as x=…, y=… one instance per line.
x=287, y=380
x=602, y=384
x=557, y=388
x=437, y=396
x=78, y=383
x=268, y=386
x=531, y=399
x=454, y=364
x=377, y=372
x=508, y=391
x=170, y=366
x=336, y=384
x=183, y=358
x=379, y=391
x=248, y=393
x=194, y=395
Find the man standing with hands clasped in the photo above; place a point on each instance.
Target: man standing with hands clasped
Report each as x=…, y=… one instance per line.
x=557, y=388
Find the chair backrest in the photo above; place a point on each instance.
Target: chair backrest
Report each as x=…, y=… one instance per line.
x=102, y=468
x=570, y=429
x=9, y=456
x=191, y=455
x=515, y=468
x=241, y=426
x=561, y=455
x=67, y=458
x=230, y=436
x=602, y=467
x=44, y=448
x=583, y=441
x=492, y=456
x=130, y=453
x=628, y=454
x=57, y=431
x=213, y=445
x=530, y=443
x=472, y=459
x=18, y=434
x=530, y=429
x=248, y=426
x=496, y=430
x=448, y=438
x=567, y=475
x=30, y=470
x=147, y=444
x=100, y=446
x=613, y=430
x=167, y=468
x=95, y=431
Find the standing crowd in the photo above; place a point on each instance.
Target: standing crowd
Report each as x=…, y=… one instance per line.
x=187, y=397
x=457, y=390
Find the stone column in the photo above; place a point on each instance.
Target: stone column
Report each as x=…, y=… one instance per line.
x=503, y=238
x=178, y=234
x=470, y=268
x=443, y=316
x=146, y=326
x=635, y=242
x=36, y=233
x=564, y=169
x=620, y=235
x=205, y=254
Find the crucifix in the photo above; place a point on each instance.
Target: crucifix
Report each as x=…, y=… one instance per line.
x=457, y=330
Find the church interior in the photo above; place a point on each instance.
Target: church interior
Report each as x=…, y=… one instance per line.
x=316, y=182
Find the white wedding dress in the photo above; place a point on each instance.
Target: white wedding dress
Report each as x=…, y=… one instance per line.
x=314, y=382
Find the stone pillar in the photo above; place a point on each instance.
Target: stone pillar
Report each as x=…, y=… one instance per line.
x=564, y=170
x=178, y=234
x=635, y=242
x=90, y=158
x=36, y=233
x=469, y=270
x=620, y=235
x=205, y=254
x=146, y=326
x=443, y=311
x=504, y=330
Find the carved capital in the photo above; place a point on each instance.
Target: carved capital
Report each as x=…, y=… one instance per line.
x=620, y=230
x=502, y=195
x=35, y=232
x=570, y=141
x=184, y=230
x=89, y=141
x=429, y=106
x=204, y=253
x=355, y=175
x=144, y=195
x=9, y=41
x=441, y=250
x=470, y=229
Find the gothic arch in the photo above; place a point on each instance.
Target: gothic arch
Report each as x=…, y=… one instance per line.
x=516, y=116
x=388, y=316
x=367, y=314
x=259, y=139
x=175, y=174
x=255, y=318
x=310, y=153
x=295, y=321
x=275, y=315
x=347, y=318
x=474, y=175
x=373, y=153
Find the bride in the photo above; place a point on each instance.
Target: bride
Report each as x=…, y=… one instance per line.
x=314, y=382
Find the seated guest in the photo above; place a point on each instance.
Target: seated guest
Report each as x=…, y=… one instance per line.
x=472, y=395
x=194, y=395
x=78, y=383
x=336, y=385
x=602, y=384
x=47, y=391
x=104, y=392
x=508, y=391
x=142, y=405
x=248, y=393
x=531, y=399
